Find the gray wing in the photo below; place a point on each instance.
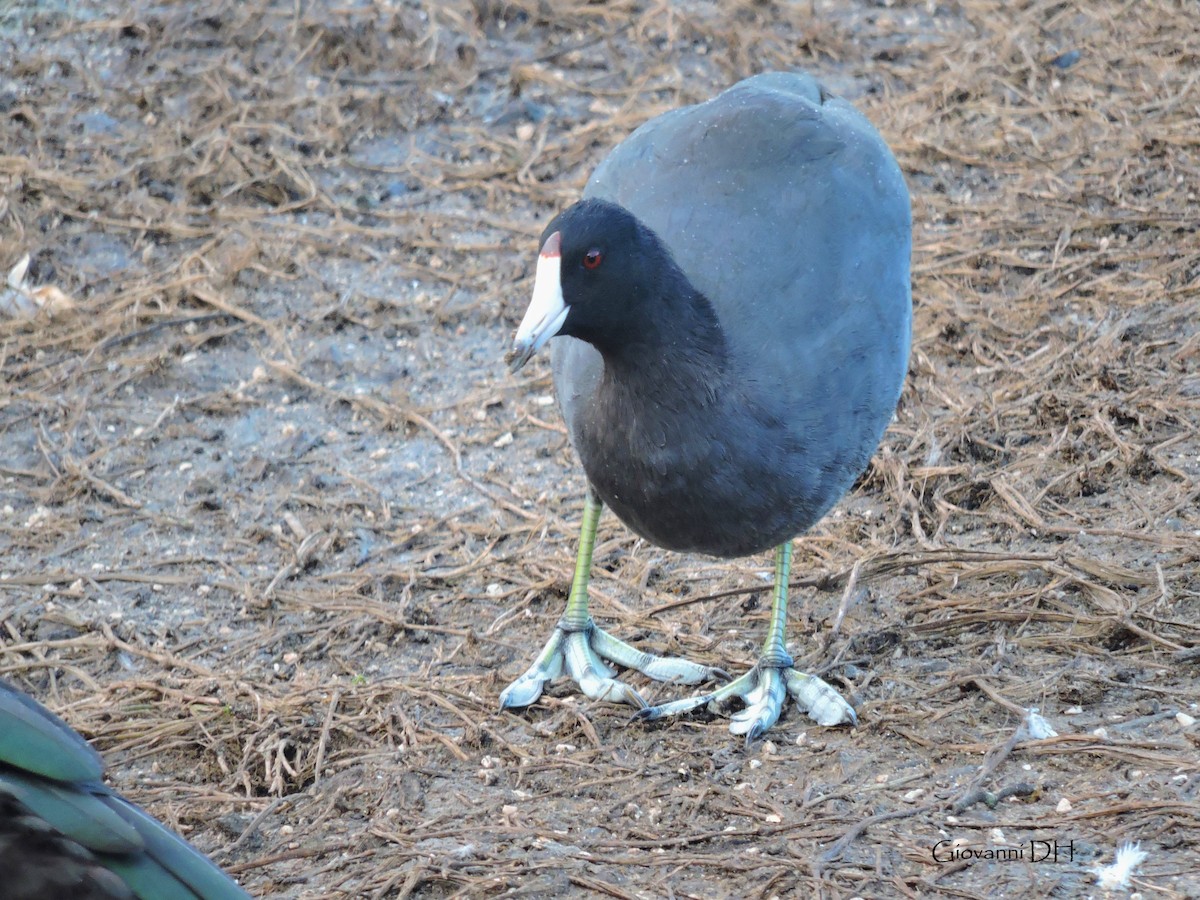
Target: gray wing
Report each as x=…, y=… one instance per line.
x=787, y=209
x=577, y=369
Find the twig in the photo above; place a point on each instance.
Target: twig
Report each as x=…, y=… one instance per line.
x=324, y=740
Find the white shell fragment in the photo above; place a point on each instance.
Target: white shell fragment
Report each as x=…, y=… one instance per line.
x=19, y=300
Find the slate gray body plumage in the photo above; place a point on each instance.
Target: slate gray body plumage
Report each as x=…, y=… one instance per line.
x=732, y=302
x=788, y=212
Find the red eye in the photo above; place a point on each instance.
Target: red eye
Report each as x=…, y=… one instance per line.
x=592, y=259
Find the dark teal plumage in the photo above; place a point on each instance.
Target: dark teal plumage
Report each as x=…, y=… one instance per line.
x=64, y=833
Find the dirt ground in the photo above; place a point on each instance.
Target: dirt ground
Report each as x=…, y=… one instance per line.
x=278, y=525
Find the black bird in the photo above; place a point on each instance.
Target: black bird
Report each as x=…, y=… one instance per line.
x=733, y=301
x=64, y=835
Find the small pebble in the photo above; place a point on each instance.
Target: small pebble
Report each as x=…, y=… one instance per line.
x=1066, y=60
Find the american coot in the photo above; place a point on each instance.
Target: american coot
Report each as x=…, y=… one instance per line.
x=64, y=834
x=733, y=303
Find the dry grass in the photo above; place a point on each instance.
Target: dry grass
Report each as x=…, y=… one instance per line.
x=278, y=526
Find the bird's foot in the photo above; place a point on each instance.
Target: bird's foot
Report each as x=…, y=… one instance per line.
x=585, y=653
x=762, y=690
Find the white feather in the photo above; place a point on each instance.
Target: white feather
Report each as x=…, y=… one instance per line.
x=1036, y=725
x=1116, y=876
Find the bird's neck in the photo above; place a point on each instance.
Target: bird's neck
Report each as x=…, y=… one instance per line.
x=681, y=342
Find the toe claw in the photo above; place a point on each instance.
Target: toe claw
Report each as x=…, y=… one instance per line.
x=609, y=689
x=528, y=687
x=764, y=703
x=755, y=733
x=523, y=691
x=674, y=708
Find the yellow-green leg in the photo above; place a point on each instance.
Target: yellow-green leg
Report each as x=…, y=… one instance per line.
x=585, y=650
x=762, y=689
